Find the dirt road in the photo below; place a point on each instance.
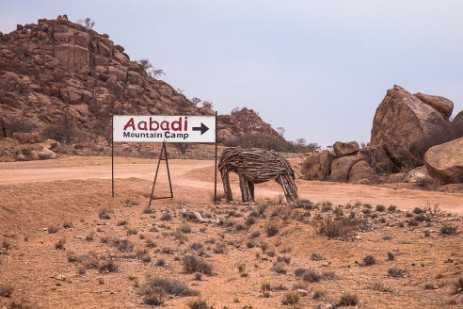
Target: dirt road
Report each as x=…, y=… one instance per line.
x=199, y=174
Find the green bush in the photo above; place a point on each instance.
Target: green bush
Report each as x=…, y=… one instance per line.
x=256, y=140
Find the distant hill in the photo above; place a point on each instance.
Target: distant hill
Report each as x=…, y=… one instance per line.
x=62, y=80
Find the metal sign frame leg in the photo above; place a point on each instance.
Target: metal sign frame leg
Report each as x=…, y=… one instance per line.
x=161, y=158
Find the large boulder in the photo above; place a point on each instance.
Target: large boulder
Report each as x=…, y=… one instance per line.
x=419, y=176
x=326, y=158
x=344, y=149
x=340, y=167
x=362, y=172
x=445, y=161
x=316, y=165
x=440, y=104
x=457, y=124
x=311, y=166
x=377, y=158
x=406, y=127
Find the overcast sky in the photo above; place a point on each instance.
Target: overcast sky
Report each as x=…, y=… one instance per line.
x=318, y=69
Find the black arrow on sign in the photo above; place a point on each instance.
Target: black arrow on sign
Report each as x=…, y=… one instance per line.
x=202, y=128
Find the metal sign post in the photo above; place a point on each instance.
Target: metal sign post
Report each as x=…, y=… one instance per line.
x=161, y=158
x=165, y=129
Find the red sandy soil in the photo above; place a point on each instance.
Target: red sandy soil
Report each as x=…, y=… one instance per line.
x=68, y=194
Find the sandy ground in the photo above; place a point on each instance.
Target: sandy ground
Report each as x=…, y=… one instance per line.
x=84, y=168
x=51, y=210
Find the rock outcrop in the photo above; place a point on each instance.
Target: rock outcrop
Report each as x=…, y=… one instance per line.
x=341, y=167
x=444, y=162
x=457, y=124
x=406, y=126
x=317, y=165
x=378, y=159
x=343, y=149
x=362, y=172
x=243, y=121
x=440, y=104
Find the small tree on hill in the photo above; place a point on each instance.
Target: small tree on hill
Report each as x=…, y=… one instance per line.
x=87, y=23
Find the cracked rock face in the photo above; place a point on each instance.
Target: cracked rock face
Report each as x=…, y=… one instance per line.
x=406, y=126
x=444, y=162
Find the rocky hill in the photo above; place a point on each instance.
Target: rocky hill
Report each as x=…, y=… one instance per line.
x=60, y=80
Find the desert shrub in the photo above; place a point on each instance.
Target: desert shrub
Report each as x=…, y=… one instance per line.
x=458, y=287
x=397, y=272
x=348, y=299
x=52, y=229
x=429, y=286
x=105, y=214
x=390, y=256
x=107, y=266
x=340, y=229
x=219, y=249
x=89, y=260
x=380, y=208
x=185, y=229
x=279, y=267
x=448, y=230
x=290, y=298
x=265, y=286
x=6, y=289
x=167, y=250
x=256, y=140
x=168, y=286
x=250, y=221
x=378, y=286
x=132, y=232
x=422, y=217
x=329, y=275
x=121, y=222
x=392, y=208
x=148, y=211
x=64, y=130
x=195, y=264
x=271, y=230
x=298, y=272
x=239, y=227
x=166, y=217
x=198, y=304
x=318, y=294
x=123, y=245
x=60, y=244
x=21, y=124
x=153, y=296
x=72, y=257
x=316, y=256
x=304, y=203
x=160, y=263
x=67, y=225
x=311, y=275
x=254, y=234
x=369, y=260
x=89, y=237
x=418, y=210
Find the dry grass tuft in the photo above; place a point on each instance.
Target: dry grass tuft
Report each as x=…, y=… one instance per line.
x=6, y=290
x=195, y=264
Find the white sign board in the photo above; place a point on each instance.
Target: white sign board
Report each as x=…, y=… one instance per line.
x=171, y=129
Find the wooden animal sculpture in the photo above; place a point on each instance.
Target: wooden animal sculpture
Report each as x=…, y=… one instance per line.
x=256, y=166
